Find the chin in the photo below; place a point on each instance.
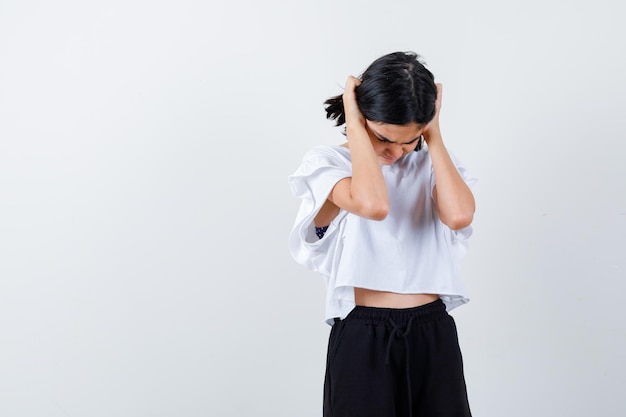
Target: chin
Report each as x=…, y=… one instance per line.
x=385, y=161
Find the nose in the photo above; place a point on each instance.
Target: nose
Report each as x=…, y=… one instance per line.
x=396, y=150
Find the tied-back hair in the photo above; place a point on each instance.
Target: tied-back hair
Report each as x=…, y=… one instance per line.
x=395, y=89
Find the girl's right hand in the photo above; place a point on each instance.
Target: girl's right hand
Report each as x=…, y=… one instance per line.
x=354, y=117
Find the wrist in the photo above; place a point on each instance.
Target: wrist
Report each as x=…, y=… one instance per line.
x=356, y=129
x=433, y=137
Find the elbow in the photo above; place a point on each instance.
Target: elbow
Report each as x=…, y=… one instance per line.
x=459, y=220
x=374, y=211
x=457, y=216
x=379, y=214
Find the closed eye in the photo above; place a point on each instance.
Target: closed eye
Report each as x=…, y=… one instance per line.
x=385, y=140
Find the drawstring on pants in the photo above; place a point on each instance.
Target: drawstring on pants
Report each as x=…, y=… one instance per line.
x=397, y=332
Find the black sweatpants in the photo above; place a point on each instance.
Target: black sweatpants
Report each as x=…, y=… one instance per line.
x=386, y=362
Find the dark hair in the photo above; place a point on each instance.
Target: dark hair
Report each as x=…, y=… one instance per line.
x=395, y=89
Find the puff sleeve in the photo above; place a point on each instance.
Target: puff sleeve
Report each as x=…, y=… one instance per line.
x=321, y=168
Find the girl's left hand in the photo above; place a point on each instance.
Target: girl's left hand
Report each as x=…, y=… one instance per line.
x=432, y=128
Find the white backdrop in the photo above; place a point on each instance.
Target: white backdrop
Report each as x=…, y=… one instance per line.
x=144, y=210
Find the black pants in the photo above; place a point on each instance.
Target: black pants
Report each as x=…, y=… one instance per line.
x=386, y=362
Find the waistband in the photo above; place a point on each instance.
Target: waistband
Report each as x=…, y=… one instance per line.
x=400, y=322
x=431, y=311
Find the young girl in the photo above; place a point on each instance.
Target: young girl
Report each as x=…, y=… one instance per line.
x=385, y=218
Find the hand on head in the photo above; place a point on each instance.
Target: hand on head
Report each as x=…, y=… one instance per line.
x=354, y=117
x=433, y=126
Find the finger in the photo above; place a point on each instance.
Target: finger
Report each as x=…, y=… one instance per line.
x=349, y=93
x=351, y=108
x=351, y=83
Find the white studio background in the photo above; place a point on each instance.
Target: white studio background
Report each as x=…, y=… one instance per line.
x=144, y=210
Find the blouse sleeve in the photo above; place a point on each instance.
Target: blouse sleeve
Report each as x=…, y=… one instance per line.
x=312, y=182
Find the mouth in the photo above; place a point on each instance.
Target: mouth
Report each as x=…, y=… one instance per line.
x=388, y=159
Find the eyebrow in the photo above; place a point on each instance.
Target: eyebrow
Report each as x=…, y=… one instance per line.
x=381, y=137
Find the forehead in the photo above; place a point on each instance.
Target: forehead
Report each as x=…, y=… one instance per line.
x=396, y=133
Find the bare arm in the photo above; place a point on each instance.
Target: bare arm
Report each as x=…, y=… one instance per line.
x=365, y=193
x=454, y=199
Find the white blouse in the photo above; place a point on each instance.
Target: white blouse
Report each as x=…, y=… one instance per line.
x=411, y=251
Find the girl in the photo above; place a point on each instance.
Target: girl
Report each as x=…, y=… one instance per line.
x=385, y=219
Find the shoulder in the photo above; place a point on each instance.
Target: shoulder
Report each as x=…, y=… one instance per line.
x=328, y=152
x=325, y=156
x=321, y=166
x=461, y=167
